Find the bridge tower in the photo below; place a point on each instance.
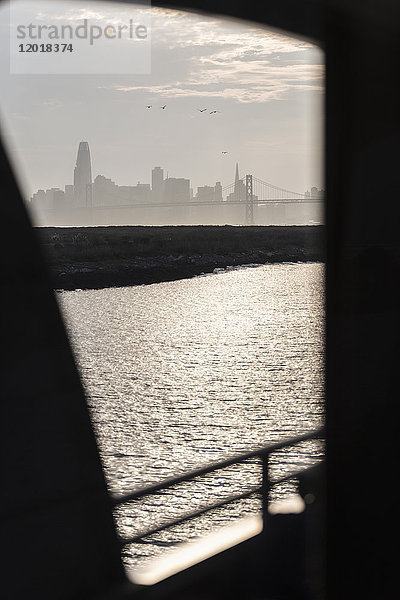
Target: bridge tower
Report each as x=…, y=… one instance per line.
x=249, y=200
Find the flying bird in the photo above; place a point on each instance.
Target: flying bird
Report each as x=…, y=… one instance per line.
x=214, y=111
x=149, y=106
x=163, y=106
x=224, y=152
x=201, y=109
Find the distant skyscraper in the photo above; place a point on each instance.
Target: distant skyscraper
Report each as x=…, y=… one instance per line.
x=51, y=199
x=157, y=183
x=83, y=176
x=208, y=193
x=69, y=195
x=218, y=191
x=239, y=190
x=176, y=189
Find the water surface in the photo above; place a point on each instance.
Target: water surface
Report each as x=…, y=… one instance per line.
x=182, y=373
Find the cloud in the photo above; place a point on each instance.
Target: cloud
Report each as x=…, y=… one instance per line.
x=241, y=92
x=226, y=59
x=20, y=116
x=205, y=56
x=242, y=81
x=49, y=11
x=53, y=103
x=71, y=15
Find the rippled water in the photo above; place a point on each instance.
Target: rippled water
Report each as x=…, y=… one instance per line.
x=182, y=373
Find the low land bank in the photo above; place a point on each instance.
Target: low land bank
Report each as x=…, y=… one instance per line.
x=98, y=257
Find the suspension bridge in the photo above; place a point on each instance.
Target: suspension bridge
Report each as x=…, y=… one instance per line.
x=251, y=192
x=248, y=191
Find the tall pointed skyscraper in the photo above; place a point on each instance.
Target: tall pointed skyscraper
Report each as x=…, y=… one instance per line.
x=83, y=177
x=239, y=188
x=238, y=184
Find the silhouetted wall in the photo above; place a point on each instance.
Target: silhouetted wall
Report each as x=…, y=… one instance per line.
x=57, y=533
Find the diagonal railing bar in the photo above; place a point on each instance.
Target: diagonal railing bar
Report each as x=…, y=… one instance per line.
x=267, y=483
x=262, y=451
x=189, y=516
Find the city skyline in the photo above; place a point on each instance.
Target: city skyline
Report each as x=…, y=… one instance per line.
x=87, y=192
x=171, y=197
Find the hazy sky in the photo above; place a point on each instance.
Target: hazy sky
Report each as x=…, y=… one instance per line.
x=267, y=87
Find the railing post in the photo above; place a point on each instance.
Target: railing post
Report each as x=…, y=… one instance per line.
x=265, y=486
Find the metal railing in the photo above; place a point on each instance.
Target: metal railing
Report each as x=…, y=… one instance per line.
x=263, y=452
